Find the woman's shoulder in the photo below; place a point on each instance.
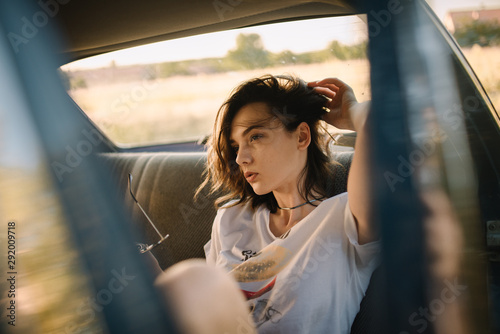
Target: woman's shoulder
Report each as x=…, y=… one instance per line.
x=338, y=199
x=236, y=219
x=236, y=211
x=335, y=207
x=234, y=206
x=231, y=204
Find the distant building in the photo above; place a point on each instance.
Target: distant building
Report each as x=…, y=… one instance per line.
x=455, y=19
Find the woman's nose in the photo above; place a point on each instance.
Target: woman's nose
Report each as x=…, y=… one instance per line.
x=243, y=157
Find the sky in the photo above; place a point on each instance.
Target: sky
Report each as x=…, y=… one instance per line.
x=217, y=44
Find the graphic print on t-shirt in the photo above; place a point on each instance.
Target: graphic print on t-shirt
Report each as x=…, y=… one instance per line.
x=257, y=275
x=248, y=253
x=263, y=312
x=310, y=280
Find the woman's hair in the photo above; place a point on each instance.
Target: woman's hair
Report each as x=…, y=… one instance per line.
x=290, y=101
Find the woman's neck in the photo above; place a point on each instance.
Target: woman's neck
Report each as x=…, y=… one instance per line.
x=283, y=220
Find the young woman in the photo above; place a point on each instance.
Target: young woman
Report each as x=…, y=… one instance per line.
x=302, y=260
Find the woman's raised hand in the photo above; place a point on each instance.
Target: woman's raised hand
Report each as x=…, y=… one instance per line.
x=345, y=111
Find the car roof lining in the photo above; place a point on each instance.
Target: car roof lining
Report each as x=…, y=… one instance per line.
x=93, y=27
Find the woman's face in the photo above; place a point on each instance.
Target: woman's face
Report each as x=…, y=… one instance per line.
x=270, y=158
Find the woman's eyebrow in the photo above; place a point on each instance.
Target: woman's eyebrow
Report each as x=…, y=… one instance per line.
x=251, y=127
x=256, y=125
x=247, y=130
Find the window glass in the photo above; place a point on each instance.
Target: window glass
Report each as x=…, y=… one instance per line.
x=476, y=28
x=171, y=91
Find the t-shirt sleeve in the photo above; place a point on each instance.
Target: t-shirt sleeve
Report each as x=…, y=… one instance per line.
x=213, y=246
x=366, y=254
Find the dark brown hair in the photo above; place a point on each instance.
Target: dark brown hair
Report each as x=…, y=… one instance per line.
x=292, y=102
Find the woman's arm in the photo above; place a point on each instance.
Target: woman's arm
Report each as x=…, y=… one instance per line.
x=347, y=113
x=204, y=299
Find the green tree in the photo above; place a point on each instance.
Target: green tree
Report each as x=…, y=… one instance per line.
x=78, y=82
x=345, y=52
x=338, y=50
x=284, y=57
x=358, y=51
x=484, y=33
x=314, y=57
x=249, y=52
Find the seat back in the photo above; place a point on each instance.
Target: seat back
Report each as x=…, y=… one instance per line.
x=164, y=184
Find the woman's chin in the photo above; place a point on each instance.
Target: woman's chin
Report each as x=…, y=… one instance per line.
x=259, y=190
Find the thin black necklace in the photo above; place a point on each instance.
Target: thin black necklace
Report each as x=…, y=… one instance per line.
x=298, y=206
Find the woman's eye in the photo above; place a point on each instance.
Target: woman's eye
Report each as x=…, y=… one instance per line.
x=255, y=137
x=235, y=148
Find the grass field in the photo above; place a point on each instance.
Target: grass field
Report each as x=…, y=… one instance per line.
x=486, y=64
x=177, y=108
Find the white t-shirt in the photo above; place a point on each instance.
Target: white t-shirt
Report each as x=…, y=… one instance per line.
x=310, y=280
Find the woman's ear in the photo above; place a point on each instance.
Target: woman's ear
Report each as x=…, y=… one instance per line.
x=304, y=136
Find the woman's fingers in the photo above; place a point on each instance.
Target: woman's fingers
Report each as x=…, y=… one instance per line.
x=321, y=84
x=332, y=88
x=325, y=91
x=332, y=83
x=329, y=81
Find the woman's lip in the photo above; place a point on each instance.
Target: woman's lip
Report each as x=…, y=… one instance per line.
x=250, y=176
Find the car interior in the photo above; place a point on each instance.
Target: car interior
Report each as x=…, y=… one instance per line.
x=166, y=175
x=99, y=169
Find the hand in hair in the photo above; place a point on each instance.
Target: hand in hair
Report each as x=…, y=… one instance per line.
x=345, y=111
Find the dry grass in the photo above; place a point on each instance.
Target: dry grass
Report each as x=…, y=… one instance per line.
x=181, y=107
x=486, y=64
x=177, y=108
